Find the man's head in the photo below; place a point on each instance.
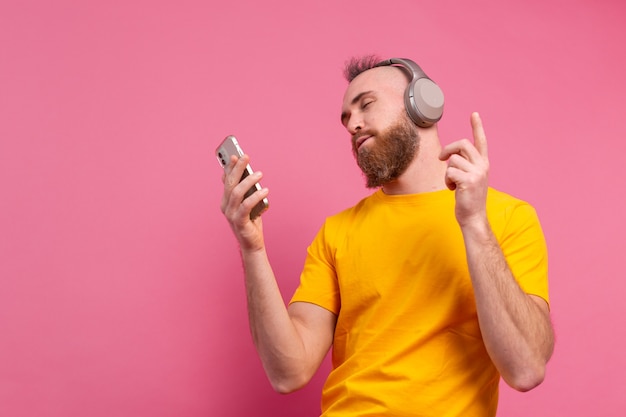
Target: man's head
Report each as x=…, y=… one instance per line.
x=384, y=139
x=423, y=98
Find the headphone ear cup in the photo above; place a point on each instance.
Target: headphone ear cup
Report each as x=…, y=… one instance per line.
x=424, y=102
x=423, y=99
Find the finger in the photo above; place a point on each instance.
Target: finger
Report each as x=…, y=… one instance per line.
x=450, y=183
x=247, y=184
x=234, y=171
x=251, y=201
x=243, y=191
x=461, y=147
x=240, y=213
x=228, y=167
x=459, y=162
x=231, y=163
x=480, y=139
x=457, y=178
x=231, y=177
x=450, y=179
x=449, y=150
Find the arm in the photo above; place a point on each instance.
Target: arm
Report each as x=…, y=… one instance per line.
x=291, y=342
x=515, y=326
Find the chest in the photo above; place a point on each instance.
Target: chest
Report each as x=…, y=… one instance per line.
x=402, y=256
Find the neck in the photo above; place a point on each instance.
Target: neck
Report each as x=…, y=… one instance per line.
x=426, y=173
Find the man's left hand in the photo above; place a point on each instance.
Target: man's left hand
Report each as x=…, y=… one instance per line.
x=467, y=174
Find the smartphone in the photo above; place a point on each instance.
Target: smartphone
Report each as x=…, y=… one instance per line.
x=229, y=147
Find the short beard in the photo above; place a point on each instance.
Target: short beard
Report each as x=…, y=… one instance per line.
x=390, y=155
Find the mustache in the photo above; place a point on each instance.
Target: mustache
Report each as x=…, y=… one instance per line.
x=359, y=135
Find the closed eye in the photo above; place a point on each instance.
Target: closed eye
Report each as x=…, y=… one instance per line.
x=366, y=103
x=365, y=98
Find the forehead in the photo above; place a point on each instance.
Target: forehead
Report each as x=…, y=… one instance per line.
x=381, y=81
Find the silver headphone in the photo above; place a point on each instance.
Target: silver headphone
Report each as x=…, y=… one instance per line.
x=423, y=98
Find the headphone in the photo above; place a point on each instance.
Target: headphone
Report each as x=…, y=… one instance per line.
x=423, y=98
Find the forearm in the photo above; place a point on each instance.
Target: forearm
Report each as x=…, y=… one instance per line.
x=517, y=332
x=275, y=335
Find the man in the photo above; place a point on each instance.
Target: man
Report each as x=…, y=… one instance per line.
x=428, y=290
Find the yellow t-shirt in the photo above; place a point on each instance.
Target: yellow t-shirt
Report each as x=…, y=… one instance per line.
x=407, y=342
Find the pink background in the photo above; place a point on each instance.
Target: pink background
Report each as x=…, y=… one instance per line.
x=121, y=291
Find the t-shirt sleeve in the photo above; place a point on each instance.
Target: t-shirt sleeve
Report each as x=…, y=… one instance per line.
x=318, y=281
x=524, y=247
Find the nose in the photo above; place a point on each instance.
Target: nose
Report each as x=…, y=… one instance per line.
x=355, y=123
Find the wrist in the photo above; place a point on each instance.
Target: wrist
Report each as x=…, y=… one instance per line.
x=251, y=252
x=477, y=226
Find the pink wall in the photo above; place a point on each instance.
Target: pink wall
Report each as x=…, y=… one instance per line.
x=121, y=292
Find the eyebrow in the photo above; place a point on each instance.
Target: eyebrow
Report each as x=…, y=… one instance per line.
x=354, y=101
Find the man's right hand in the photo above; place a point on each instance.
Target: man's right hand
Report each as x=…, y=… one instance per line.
x=291, y=343
x=248, y=232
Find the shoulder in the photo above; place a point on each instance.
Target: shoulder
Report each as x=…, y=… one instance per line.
x=501, y=198
x=508, y=214
x=351, y=212
x=506, y=204
x=336, y=225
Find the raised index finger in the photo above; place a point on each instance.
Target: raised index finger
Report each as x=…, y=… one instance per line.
x=480, y=140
